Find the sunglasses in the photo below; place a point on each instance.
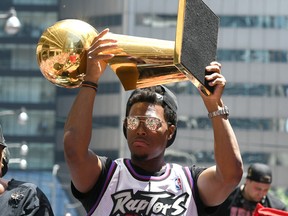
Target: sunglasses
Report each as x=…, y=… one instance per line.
x=133, y=122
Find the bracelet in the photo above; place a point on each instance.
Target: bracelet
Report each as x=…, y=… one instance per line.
x=90, y=85
x=223, y=111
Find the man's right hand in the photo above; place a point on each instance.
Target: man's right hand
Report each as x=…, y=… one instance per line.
x=97, y=56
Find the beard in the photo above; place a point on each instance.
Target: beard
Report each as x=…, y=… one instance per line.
x=139, y=157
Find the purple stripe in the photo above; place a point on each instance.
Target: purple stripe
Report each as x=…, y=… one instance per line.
x=189, y=177
x=108, y=179
x=147, y=178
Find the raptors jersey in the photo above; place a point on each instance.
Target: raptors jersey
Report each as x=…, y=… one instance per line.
x=126, y=193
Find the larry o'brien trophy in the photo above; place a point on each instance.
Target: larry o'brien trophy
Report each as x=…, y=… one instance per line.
x=62, y=51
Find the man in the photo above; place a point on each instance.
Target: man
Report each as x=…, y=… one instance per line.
x=145, y=184
x=245, y=198
x=17, y=197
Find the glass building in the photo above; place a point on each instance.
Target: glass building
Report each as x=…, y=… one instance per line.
x=23, y=89
x=252, y=49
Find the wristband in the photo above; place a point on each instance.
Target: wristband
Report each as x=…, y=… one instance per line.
x=90, y=85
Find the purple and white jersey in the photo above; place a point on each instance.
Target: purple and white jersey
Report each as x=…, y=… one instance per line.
x=126, y=193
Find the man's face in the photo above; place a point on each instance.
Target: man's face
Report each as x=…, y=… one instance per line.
x=145, y=143
x=255, y=191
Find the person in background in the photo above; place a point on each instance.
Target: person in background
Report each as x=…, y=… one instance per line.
x=145, y=184
x=18, y=197
x=244, y=199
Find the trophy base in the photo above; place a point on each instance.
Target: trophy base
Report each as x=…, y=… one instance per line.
x=196, y=41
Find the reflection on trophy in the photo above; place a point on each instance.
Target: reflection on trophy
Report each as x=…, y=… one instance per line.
x=142, y=62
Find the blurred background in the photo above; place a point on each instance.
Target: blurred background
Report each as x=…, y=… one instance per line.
x=253, y=50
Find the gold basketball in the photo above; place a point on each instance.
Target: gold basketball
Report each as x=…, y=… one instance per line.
x=61, y=52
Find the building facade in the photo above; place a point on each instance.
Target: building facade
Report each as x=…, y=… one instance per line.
x=251, y=48
x=253, y=52
x=23, y=88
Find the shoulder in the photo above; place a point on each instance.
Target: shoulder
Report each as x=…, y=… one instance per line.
x=88, y=199
x=30, y=189
x=29, y=197
x=201, y=208
x=196, y=171
x=24, y=186
x=274, y=202
x=106, y=163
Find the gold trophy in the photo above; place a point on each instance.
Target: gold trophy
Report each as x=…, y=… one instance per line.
x=142, y=62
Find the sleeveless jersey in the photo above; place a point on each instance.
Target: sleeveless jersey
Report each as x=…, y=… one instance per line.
x=126, y=193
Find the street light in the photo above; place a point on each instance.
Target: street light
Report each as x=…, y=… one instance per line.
x=12, y=25
x=22, y=146
x=23, y=153
x=22, y=162
x=22, y=116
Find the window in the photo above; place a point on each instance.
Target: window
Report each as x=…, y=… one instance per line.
x=28, y=89
x=104, y=21
x=279, y=22
x=5, y=58
x=39, y=156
